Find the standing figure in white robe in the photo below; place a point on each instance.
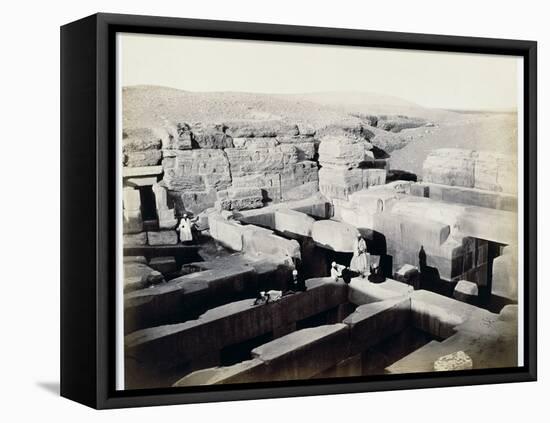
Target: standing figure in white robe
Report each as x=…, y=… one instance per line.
x=185, y=228
x=360, y=260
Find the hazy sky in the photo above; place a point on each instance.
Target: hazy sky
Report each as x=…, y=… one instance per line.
x=432, y=79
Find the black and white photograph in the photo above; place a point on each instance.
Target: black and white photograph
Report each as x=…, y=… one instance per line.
x=294, y=211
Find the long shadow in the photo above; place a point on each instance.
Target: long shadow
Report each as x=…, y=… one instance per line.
x=51, y=387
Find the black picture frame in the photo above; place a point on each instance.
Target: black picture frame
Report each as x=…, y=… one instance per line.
x=88, y=208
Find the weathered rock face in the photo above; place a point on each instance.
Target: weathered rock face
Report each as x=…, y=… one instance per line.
x=142, y=139
x=205, y=163
x=196, y=170
x=240, y=199
x=471, y=169
x=139, y=275
x=211, y=136
x=249, y=129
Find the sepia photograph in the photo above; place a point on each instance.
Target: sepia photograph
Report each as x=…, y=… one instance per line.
x=292, y=212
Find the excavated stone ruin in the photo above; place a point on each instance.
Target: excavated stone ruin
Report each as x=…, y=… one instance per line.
x=271, y=197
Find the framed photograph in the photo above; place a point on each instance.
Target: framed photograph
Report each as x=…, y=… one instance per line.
x=257, y=211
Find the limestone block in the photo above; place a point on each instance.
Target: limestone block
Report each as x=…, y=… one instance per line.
x=165, y=237
x=505, y=275
x=268, y=182
x=194, y=201
x=439, y=315
x=161, y=197
x=139, y=275
x=256, y=128
x=135, y=259
x=341, y=152
x=132, y=222
x=131, y=199
x=210, y=136
x=180, y=138
x=144, y=171
x=339, y=182
x=466, y=291
x=289, y=357
x=420, y=190
x=337, y=236
x=416, y=232
x=240, y=199
x=255, y=143
x=142, y=139
x=163, y=264
x=141, y=181
x=259, y=241
x=293, y=222
x=133, y=240
x=198, y=170
x=142, y=158
x=372, y=323
x=372, y=177
x=226, y=232
x=299, y=180
x=455, y=361
x=362, y=291
x=450, y=166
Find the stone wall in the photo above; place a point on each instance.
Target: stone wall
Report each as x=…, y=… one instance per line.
x=206, y=165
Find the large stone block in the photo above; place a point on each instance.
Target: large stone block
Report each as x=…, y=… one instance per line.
x=372, y=323
x=142, y=139
x=373, y=177
x=131, y=199
x=337, y=236
x=342, y=152
x=289, y=357
x=226, y=232
x=134, y=240
x=210, y=136
x=505, y=275
x=255, y=143
x=268, y=182
x=299, y=180
x=293, y=223
x=132, y=222
x=240, y=199
x=180, y=138
x=339, y=183
x=139, y=276
x=362, y=291
x=466, y=291
x=142, y=158
x=259, y=241
x=165, y=237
